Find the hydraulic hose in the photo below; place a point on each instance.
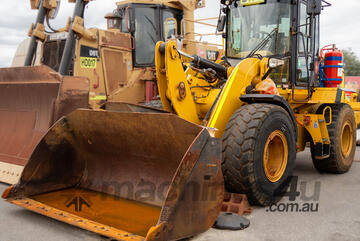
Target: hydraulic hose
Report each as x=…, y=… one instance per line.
x=201, y=63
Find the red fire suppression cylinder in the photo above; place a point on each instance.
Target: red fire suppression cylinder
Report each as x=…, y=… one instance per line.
x=333, y=68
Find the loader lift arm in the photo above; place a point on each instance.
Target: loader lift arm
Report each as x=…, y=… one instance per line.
x=33, y=42
x=37, y=30
x=70, y=41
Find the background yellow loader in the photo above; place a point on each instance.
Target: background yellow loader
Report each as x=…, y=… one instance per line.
x=257, y=107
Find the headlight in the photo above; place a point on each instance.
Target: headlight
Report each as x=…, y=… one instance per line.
x=273, y=63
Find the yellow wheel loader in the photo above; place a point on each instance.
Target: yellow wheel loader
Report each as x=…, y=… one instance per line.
x=82, y=68
x=257, y=107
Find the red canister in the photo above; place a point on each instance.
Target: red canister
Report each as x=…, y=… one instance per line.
x=333, y=68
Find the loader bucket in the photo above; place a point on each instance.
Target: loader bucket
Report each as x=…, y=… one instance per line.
x=125, y=175
x=31, y=100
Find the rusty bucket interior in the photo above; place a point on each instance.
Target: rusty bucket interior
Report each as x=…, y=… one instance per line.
x=129, y=176
x=31, y=100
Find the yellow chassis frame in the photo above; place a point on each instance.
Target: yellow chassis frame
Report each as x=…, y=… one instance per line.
x=180, y=90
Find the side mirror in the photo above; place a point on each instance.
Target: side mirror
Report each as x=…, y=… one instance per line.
x=313, y=7
x=170, y=28
x=182, y=29
x=221, y=24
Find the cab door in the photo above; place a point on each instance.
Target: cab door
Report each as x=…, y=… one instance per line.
x=306, y=52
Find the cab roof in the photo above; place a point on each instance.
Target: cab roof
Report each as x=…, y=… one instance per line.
x=159, y=2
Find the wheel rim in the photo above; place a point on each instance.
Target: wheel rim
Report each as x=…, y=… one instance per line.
x=275, y=156
x=346, y=139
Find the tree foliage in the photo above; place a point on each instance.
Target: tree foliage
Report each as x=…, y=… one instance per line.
x=351, y=63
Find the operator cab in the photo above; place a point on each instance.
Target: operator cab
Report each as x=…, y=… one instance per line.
x=275, y=28
x=143, y=22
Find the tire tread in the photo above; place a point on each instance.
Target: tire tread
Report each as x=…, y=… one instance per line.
x=238, y=147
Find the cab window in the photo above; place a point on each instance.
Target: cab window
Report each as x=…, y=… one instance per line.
x=146, y=35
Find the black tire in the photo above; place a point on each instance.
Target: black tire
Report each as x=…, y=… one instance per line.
x=243, y=152
x=337, y=162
